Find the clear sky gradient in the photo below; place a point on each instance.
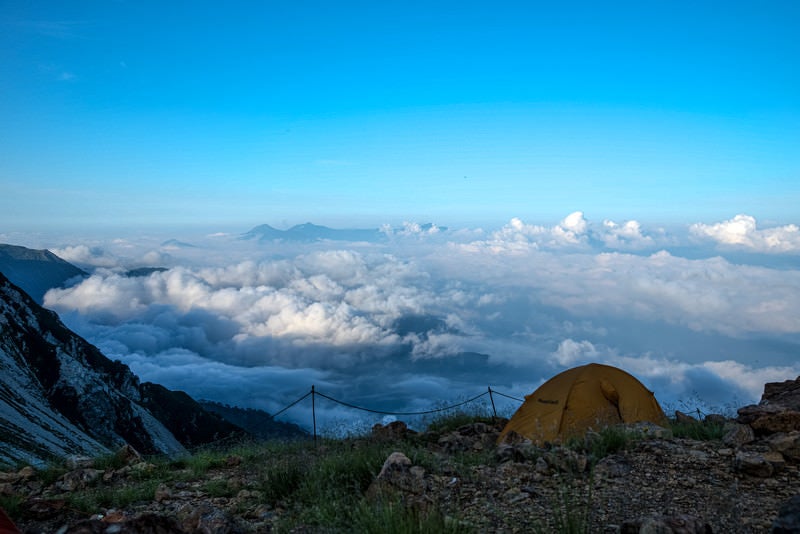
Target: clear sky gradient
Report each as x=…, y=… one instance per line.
x=116, y=113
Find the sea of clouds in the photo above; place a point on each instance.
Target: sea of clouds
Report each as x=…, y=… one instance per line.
x=423, y=317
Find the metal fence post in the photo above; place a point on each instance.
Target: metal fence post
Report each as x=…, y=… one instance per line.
x=491, y=398
x=314, y=413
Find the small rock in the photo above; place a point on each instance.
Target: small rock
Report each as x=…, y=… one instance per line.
x=26, y=472
x=398, y=474
x=699, y=456
x=541, y=466
x=661, y=524
x=681, y=417
x=143, y=467
x=515, y=495
x=392, y=431
x=147, y=522
x=45, y=508
x=79, y=462
x=788, y=444
x=162, y=493
x=506, y=452
x=738, y=434
x=78, y=479
x=396, y=462
x=646, y=429
x=10, y=478
x=614, y=466
x=206, y=518
x=715, y=419
x=788, y=520
x=128, y=454
x=512, y=437
x=776, y=459
x=114, y=516
x=753, y=464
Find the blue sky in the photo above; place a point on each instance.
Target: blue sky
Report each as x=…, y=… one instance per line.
x=354, y=113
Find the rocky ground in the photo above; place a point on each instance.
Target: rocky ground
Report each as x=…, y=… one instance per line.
x=657, y=483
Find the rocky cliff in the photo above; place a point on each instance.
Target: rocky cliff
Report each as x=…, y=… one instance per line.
x=60, y=395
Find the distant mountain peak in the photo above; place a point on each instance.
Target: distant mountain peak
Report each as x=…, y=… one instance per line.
x=174, y=243
x=36, y=271
x=310, y=232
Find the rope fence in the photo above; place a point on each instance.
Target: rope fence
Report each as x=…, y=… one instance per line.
x=314, y=394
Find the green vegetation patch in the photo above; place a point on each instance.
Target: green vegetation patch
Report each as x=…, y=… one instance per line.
x=699, y=430
x=395, y=518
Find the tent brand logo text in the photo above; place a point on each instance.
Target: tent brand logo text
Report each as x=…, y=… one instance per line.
x=546, y=401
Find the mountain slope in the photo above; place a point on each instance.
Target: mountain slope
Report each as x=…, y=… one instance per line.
x=35, y=271
x=257, y=422
x=60, y=395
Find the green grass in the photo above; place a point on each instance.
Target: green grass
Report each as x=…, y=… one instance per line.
x=319, y=487
x=449, y=421
x=11, y=504
x=110, y=461
x=570, y=511
x=282, y=478
x=596, y=446
x=326, y=488
x=50, y=473
x=93, y=499
x=395, y=518
x=699, y=430
x=201, y=462
x=219, y=488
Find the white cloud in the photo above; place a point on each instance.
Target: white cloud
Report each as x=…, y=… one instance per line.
x=534, y=299
x=518, y=237
x=627, y=235
x=85, y=256
x=334, y=298
x=711, y=295
x=742, y=232
x=570, y=352
x=574, y=232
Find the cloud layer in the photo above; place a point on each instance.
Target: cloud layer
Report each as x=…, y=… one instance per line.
x=434, y=316
x=742, y=232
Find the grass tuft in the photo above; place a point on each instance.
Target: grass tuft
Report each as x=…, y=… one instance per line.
x=700, y=430
x=395, y=518
x=570, y=511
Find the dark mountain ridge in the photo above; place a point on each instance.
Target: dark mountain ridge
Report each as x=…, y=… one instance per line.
x=256, y=422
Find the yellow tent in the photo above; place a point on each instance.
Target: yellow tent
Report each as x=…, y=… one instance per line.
x=590, y=396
